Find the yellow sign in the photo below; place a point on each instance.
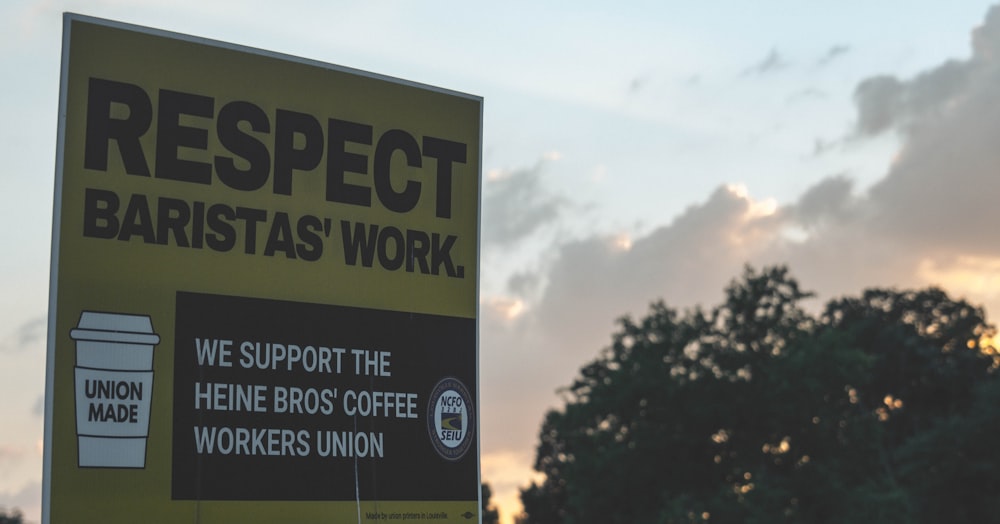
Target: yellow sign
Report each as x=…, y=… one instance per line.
x=264, y=289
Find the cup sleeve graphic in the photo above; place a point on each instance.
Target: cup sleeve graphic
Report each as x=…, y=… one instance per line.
x=114, y=388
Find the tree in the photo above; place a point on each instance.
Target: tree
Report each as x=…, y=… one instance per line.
x=14, y=517
x=490, y=513
x=756, y=411
x=953, y=469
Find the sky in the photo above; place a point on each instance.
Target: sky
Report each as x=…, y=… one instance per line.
x=633, y=151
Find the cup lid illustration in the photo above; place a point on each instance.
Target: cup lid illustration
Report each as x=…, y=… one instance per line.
x=115, y=327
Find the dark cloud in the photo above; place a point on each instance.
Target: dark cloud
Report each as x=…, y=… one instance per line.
x=842, y=253
x=771, y=63
x=832, y=54
x=986, y=38
x=826, y=201
x=596, y=280
x=515, y=205
x=940, y=191
x=524, y=283
x=821, y=146
x=878, y=100
x=885, y=102
x=28, y=334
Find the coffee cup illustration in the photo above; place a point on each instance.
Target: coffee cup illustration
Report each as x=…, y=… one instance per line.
x=114, y=388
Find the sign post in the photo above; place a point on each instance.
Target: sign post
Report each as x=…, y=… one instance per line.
x=263, y=298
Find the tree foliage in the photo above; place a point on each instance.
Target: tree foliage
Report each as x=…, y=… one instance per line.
x=879, y=409
x=490, y=513
x=14, y=517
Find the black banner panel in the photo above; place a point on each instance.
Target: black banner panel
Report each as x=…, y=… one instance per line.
x=280, y=400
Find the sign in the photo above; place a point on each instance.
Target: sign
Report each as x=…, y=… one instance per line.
x=264, y=289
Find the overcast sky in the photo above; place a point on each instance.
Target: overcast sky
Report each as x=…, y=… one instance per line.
x=632, y=152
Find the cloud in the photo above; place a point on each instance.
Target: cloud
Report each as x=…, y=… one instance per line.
x=595, y=280
x=832, y=54
x=516, y=205
x=821, y=146
x=928, y=221
x=27, y=498
x=10, y=454
x=885, y=102
x=588, y=283
x=29, y=334
x=771, y=63
x=939, y=194
x=827, y=201
x=638, y=84
x=986, y=38
x=878, y=100
x=524, y=283
x=808, y=93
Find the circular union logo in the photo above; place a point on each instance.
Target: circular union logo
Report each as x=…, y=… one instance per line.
x=450, y=419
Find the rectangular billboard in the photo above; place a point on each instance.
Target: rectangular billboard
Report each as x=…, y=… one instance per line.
x=263, y=300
